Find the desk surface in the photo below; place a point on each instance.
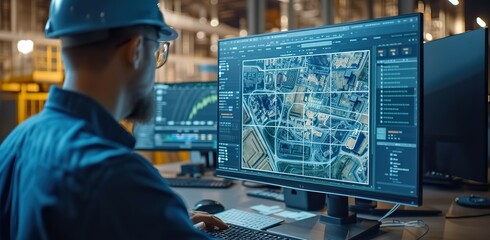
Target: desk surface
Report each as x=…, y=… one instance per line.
x=439, y=227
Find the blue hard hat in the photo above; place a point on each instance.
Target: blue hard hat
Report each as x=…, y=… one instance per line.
x=72, y=17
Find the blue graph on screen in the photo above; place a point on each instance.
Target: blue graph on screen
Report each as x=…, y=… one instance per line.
x=185, y=105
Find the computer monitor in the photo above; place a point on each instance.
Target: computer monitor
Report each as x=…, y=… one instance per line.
x=455, y=107
x=185, y=118
x=333, y=109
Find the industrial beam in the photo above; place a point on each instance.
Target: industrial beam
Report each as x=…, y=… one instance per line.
x=256, y=16
x=187, y=23
x=405, y=6
x=327, y=11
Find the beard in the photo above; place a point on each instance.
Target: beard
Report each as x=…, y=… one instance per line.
x=143, y=110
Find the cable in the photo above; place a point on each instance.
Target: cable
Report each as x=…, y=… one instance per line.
x=392, y=210
x=426, y=231
x=413, y=224
x=398, y=223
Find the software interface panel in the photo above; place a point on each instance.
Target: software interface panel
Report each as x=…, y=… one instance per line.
x=335, y=105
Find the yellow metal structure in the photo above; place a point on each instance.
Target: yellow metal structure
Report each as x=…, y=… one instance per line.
x=29, y=103
x=47, y=64
x=43, y=65
x=46, y=68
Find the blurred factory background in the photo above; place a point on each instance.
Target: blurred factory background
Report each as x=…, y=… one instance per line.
x=29, y=63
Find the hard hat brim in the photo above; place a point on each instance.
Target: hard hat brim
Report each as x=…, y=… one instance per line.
x=167, y=34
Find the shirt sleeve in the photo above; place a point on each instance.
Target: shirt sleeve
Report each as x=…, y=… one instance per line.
x=133, y=201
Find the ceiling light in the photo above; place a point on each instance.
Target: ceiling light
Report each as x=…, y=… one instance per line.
x=481, y=22
x=428, y=37
x=200, y=35
x=25, y=46
x=243, y=32
x=214, y=22
x=454, y=2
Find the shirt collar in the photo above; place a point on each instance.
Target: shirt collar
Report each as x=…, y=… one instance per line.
x=81, y=106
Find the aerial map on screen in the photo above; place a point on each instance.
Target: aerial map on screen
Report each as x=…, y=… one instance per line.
x=308, y=115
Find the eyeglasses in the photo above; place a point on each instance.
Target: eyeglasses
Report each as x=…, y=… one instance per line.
x=161, y=54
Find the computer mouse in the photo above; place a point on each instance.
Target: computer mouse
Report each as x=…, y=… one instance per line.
x=209, y=206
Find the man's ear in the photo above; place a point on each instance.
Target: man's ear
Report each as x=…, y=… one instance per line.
x=135, y=52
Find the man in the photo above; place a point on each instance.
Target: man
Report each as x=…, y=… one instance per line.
x=70, y=172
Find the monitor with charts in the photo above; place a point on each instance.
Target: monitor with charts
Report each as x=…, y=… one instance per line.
x=185, y=118
x=334, y=109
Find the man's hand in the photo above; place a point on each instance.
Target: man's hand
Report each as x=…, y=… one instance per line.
x=206, y=221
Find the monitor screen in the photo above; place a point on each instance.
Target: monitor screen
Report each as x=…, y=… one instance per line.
x=185, y=118
x=332, y=109
x=455, y=105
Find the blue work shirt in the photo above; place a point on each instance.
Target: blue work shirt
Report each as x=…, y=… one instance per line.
x=70, y=172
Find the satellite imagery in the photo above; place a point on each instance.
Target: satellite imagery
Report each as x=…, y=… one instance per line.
x=308, y=115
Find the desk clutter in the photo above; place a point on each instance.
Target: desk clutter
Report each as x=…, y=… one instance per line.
x=268, y=193
x=280, y=212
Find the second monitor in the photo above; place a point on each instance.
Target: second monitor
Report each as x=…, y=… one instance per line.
x=455, y=108
x=185, y=118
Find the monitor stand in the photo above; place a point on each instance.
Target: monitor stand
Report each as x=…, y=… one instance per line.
x=303, y=200
x=206, y=157
x=371, y=208
x=339, y=224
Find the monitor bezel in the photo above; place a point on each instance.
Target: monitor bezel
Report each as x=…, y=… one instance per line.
x=173, y=149
x=342, y=191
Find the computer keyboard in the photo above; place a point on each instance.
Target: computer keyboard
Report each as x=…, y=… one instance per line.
x=271, y=194
x=199, y=182
x=243, y=233
x=248, y=219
